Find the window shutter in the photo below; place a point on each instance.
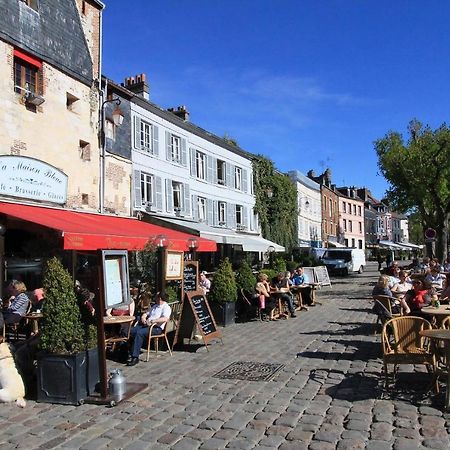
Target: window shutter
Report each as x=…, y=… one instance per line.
x=210, y=169
x=155, y=134
x=137, y=132
x=245, y=217
x=183, y=152
x=231, y=215
x=210, y=211
x=195, y=207
x=230, y=175
x=168, y=146
x=193, y=161
x=137, y=189
x=158, y=194
x=214, y=166
x=244, y=181
x=187, y=200
x=169, y=196
x=215, y=208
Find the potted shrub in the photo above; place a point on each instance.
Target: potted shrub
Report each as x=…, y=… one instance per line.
x=67, y=365
x=245, y=281
x=223, y=294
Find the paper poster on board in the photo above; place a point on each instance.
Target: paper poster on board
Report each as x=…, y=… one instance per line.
x=174, y=266
x=113, y=280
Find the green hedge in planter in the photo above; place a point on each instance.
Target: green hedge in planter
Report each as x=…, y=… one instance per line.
x=223, y=286
x=245, y=279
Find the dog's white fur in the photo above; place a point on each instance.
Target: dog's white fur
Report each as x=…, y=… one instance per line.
x=11, y=383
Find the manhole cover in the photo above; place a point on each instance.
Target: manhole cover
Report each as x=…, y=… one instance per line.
x=250, y=371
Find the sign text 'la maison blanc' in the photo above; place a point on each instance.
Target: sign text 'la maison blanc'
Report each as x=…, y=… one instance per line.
x=32, y=179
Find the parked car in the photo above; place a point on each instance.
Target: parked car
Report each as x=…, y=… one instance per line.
x=344, y=260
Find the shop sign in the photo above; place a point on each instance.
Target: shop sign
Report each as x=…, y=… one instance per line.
x=32, y=179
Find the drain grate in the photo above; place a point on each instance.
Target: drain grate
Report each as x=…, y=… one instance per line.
x=249, y=371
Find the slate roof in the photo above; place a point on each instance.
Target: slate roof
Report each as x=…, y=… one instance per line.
x=53, y=33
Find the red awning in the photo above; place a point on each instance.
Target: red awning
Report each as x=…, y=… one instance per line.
x=86, y=231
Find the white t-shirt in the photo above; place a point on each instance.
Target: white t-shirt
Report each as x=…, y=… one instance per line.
x=157, y=311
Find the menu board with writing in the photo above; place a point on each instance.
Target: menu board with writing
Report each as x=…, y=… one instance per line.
x=196, y=311
x=190, y=276
x=322, y=276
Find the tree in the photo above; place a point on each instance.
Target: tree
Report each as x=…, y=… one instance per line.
x=418, y=171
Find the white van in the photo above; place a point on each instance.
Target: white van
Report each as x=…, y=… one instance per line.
x=344, y=260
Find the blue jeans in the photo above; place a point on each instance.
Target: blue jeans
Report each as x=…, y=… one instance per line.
x=288, y=300
x=139, y=333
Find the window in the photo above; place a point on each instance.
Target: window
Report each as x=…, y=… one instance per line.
x=353, y=242
x=331, y=207
x=349, y=208
x=110, y=130
x=324, y=203
x=350, y=226
x=359, y=211
x=146, y=188
x=201, y=208
x=200, y=159
x=175, y=148
x=83, y=7
x=85, y=199
x=26, y=77
x=344, y=207
x=85, y=150
x=71, y=101
x=176, y=196
x=33, y=4
x=345, y=225
x=354, y=210
x=239, y=215
x=346, y=242
x=222, y=213
x=145, y=139
x=221, y=172
x=360, y=227
x=238, y=178
x=360, y=243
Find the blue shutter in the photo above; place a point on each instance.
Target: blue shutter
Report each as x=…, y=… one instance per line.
x=210, y=169
x=244, y=181
x=158, y=194
x=155, y=133
x=137, y=132
x=193, y=162
x=186, y=200
x=210, y=211
x=183, y=152
x=168, y=146
x=137, y=189
x=169, y=196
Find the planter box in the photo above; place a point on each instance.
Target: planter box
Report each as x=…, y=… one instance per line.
x=67, y=379
x=224, y=313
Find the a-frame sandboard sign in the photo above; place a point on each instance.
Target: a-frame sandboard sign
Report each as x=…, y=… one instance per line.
x=196, y=311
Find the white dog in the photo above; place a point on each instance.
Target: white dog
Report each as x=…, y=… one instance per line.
x=12, y=387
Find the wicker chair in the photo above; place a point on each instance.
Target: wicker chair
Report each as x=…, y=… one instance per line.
x=384, y=302
x=445, y=324
x=157, y=337
x=402, y=344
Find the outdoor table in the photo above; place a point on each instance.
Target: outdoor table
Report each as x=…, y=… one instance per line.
x=297, y=291
x=277, y=293
x=437, y=336
x=118, y=320
x=34, y=318
x=438, y=313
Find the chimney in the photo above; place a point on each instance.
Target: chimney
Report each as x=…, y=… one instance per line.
x=138, y=85
x=180, y=112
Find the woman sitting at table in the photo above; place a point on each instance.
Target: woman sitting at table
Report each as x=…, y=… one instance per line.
x=266, y=302
x=15, y=307
x=381, y=288
x=422, y=294
x=445, y=295
x=402, y=286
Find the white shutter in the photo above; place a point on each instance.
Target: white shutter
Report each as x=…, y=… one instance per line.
x=158, y=193
x=231, y=215
x=230, y=175
x=195, y=207
x=137, y=189
x=155, y=133
x=210, y=169
x=245, y=217
x=137, y=132
x=244, y=181
x=183, y=152
x=214, y=164
x=186, y=200
x=215, y=205
x=168, y=146
x=169, y=196
x=193, y=162
x=210, y=211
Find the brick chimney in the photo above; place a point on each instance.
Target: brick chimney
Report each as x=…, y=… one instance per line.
x=138, y=85
x=181, y=112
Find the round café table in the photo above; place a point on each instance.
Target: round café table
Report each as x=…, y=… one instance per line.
x=437, y=336
x=438, y=313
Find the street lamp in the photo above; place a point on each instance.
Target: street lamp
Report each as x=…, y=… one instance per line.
x=192, y=243
x=161, y=243
x=117, y=120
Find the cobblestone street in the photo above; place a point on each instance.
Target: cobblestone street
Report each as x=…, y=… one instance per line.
x=328, y=395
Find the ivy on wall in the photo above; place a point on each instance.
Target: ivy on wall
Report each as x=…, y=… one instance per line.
x=278, y=214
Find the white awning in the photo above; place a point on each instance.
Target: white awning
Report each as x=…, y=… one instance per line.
x=335, y=244
x=259, y=244
x=409, y=246
x=391, y=245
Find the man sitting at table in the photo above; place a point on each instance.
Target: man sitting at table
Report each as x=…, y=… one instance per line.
x=301, y=279
x=435, y=278
x=281, y=282
x=158, y=315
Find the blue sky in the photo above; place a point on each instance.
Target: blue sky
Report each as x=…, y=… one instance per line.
x=308, y=83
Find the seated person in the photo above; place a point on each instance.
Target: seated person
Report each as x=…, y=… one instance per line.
x=435, y=278
x=158, y=315
x=125, y=310
x=281, y=283
x=382, y=288
x=205, y=283
x=446, y=266
x=422, y=294
x=301, y=279
x=445, y=295
x=16, y=306
x=265, y=302
x=402, y=286
x=37, y=300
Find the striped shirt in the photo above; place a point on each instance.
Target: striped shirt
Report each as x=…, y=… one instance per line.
x=19, y=305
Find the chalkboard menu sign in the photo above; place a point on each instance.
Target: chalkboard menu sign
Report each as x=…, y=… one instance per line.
x=190, y=276
x=196, y=312
x=322, y=277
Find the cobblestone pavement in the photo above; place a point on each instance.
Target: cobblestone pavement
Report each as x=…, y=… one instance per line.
x=328, y=395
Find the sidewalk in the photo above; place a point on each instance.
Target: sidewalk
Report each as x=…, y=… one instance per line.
x=328, y=395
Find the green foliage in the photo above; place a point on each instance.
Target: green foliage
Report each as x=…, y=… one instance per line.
x=223, y=285
x=279, y=265
x=173, y=295
x=418, y=171
x=271, y=273
x=143, y=265
x=61, y=330
x=291, y=265
x=277, y=215
x=245, y=279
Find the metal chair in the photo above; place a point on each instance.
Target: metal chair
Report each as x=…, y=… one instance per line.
x=402, y=344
